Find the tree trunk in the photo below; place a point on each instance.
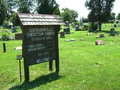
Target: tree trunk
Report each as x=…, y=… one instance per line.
x=99, y=26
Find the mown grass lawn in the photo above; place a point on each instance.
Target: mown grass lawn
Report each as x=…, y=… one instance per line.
x=83, y=65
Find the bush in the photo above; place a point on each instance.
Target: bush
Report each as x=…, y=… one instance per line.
x=6, y=23
x=76, y=23
x=5, y=37
x=86, y=27
x=94, y=26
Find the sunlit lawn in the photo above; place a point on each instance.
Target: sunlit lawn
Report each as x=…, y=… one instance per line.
x=83, y=65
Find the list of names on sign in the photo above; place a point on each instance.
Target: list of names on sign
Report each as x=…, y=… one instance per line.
x=41, y=44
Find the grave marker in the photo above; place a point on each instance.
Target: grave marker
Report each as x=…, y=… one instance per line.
x=112, y=32
x=62, y=34
x=67, y=23
x=40, y=39
x=67, y=30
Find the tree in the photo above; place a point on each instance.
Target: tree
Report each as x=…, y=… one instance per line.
x=69, y=15
x=46, y=6
x=3, y=11
x=56, y=11
x=25, y=6
x=112, y=16
x=12, y=19
x=118, y=16
x=99, y=10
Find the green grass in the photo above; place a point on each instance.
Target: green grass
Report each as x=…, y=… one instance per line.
x=83, y=65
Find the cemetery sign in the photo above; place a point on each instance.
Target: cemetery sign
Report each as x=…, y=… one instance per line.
x=40, y=39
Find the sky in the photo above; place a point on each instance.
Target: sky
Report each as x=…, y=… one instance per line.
x=79, y=6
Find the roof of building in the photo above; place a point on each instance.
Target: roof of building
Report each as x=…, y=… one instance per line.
x=27, y=19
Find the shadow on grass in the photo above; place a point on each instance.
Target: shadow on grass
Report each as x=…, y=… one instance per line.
x=108, y=32
x=37, y=82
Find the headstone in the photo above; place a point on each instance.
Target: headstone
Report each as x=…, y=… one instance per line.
x=9, y=27
x=67, y=30
x=72, y=39
x=73, y=26
x=112, y=32
x=8, y=31
x=99, y=42
x=18, y=36
x=11, y=37
x=82, y=39
x=0, y=30
x=62, y=34
x=76, y=28
x=14, y=30
x=81, y=23
x=18, y=48
x=67, y=40
x=119, y=23
x=67, y=23
x=4, y=26
x=102, y=36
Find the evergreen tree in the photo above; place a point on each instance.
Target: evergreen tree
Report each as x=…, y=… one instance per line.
x=99, y=10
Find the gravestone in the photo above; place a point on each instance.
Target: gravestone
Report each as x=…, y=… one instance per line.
x=101, y=36
x=81, y=23
x=62, y=34
x=18, y=36
x=119, y=23
x=99, y=42
x=11, y=37
x=112, y=32
x=67, y=30
x=14, y=30
x=9, y=27
x=4, y=26
x=0, y=30
x=76, y=28
x=67, y=23
x=8, y=31
x=73, y=25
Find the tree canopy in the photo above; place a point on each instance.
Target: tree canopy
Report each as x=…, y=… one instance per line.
x=46, y=6
x=99, y=10
x=3, y=11
x=69, y=15
x=118, y=16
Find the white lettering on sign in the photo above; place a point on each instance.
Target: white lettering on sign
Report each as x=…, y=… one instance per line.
x=34, y=32
x=35, y=47
x=43, y=60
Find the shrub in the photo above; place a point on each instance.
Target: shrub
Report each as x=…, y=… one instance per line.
x=6, y=23
x=5, y=37
x=94, y=26
x=86, y=27
x=76, y=23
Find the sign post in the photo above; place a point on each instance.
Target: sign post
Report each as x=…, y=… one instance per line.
x=19, y=57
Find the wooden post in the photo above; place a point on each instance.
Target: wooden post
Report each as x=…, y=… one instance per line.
x=51, y=65
x=4, y=47
x=26, y=70
x=57, y=50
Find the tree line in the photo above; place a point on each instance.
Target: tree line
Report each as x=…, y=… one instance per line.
x=33, y=6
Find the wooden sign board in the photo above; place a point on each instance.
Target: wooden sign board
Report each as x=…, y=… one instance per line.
x=39, y=44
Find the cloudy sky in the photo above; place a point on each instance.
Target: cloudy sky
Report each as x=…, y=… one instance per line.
x=79, y=6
